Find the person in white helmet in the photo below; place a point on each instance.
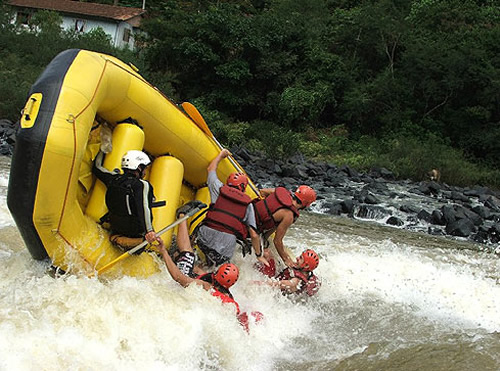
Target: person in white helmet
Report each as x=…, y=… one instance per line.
x=129, y=199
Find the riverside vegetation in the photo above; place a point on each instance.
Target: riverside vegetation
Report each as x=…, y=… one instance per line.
x=404, y=85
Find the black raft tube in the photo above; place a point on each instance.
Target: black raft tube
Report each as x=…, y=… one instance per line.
x=29, y=149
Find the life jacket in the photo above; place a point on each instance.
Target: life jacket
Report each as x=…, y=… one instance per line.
x=120, y=200
x=228, y=212
x=310, y=283
x=281, y=198
x=218, y=291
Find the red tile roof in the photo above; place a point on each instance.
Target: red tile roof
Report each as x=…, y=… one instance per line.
x=119, y=13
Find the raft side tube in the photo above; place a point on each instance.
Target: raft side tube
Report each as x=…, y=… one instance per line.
x=29, y=151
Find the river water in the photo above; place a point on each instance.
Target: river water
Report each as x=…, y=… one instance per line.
x=390, y=300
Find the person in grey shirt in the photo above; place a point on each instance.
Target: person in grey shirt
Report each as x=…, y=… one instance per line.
x=231, y=217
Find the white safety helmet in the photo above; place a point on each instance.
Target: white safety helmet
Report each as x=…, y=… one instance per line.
x=133, y=159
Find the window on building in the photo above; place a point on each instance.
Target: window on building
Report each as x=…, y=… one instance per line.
x=80, y=25
x=127, y=33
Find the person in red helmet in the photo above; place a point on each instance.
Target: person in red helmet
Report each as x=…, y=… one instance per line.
x=230, y=219
x=184, y=271
x=300, y=279
x=277, y=211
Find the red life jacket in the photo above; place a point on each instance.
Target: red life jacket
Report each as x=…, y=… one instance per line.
x=219, y=291
x=281, y=198
x=228, y=212
x=310, y=283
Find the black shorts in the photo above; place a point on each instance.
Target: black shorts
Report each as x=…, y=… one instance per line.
x=212, y=256
x=185, y=262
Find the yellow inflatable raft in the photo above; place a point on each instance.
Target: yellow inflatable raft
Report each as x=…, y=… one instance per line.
x=72, y=111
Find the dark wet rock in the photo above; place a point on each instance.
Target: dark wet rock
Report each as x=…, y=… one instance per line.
x=381, y=172
x=437, y=218
x=349, y=171
x=426, y=189
x=458, y=196
x=477, y=191
x=244, y=154
x=366, y=197
x=464, y=213
x=334, y=180
x=424, y=215
x=448, y=214
x=435, y=231
x=333, y=208
x=492, y=203
x=377, y=188
x=460, y=228
x=295, y=171
x=348, y=206
x=393, y=220
x=372, y=212
x=482, y=211
x=7, y=137
x=482, y=235
x=434, y=188
x=418, y=191
x=494, y=233
x=409, y=209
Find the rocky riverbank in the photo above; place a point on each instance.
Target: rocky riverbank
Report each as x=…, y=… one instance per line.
x=7, y=137
x=436, y=208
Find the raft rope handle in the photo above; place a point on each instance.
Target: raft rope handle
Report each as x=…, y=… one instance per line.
x=26, y=112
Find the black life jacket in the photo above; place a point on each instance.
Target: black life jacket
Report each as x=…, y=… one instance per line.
x=310, y=283
x=281, y=198
x=228, y=212
x=121, y=202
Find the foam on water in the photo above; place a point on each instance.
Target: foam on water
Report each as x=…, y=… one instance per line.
x=5, y=217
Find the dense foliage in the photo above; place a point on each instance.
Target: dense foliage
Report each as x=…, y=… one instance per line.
x=408, y=85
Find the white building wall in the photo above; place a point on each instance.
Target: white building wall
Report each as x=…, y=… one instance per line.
x=114, y=30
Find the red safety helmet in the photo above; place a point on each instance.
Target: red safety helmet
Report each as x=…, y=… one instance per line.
x=227, y=275
x=306, y=195
x=238, y=180
x=311, y=259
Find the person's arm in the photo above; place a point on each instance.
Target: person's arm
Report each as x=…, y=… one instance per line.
x=251, y=224
x=291, y=285
x=143, y=196
x=176, y=274
x=281, y=230
x=264, y=192
x=103, y=174
x=255, y=238
x=265, y=244
x=215, y=162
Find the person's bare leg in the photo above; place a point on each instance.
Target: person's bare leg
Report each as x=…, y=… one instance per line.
x=183, y=240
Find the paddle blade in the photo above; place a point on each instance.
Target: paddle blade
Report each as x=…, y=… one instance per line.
x=196, y=116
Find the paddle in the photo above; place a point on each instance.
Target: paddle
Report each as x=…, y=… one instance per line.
x=198, y=119
x=125, y=255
